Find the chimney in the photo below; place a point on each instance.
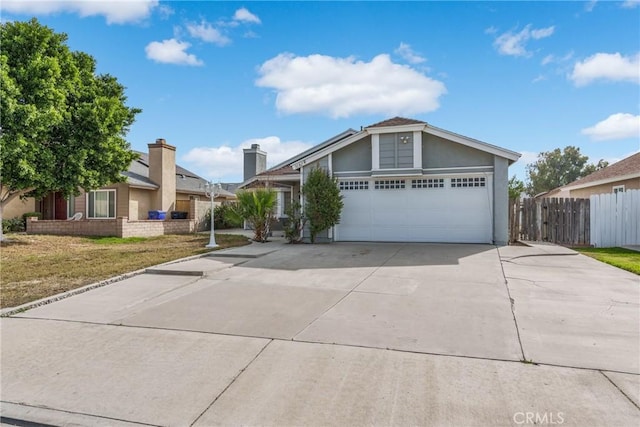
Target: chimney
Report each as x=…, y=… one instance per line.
x=255, y=161
x=162, y=171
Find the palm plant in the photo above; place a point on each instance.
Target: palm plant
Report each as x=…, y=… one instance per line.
x=256, y=207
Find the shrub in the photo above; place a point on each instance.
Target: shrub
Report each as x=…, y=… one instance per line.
x=323, y=201
x=224, y=218
x=13, y=225
x=295, y=223
x=256, y=207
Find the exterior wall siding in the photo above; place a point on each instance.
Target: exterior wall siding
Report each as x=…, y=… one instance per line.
x=354, y=157
x=394, y=153
x=440, y=153
x=629, y=184
x=17, y=207
x=500, y=201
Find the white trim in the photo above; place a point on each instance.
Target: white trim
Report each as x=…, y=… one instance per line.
x=330, y=164
x=417, y=149
x=382, y=175
x=617, y=189
x=418, y=127
x=115, y=203
x=342, y=173
x=459, y=168
x=469, y=142
x=375, y=152
x=473, y=143
x=602, y=181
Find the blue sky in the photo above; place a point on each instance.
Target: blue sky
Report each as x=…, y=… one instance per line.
x=214, y=77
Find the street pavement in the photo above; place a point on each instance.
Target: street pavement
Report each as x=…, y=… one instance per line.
x=338, y=334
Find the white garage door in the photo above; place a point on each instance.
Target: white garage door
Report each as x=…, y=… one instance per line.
x=455, y=209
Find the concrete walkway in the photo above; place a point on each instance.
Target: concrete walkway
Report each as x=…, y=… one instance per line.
x=340, y=334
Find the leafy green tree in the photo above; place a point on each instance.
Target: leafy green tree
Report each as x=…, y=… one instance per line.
x=556, y=168
x=322, y=201
x=256, y=207
x=516, y=187
x=63, y=125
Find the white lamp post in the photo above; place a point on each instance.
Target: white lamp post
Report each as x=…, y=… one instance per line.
x=210, y=191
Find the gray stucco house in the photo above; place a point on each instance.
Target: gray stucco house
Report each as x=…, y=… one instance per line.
x=403, y=180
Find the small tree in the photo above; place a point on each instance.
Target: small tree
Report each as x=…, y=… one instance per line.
x=323, y=201
x=256, y=207
x=516, y=188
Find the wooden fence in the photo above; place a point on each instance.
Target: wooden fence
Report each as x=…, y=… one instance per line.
x=561, y=221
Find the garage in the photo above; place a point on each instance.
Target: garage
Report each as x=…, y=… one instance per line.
x=455, y=208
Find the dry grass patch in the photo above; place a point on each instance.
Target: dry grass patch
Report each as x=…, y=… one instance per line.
x=34, y=267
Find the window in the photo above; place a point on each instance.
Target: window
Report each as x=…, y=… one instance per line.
x=101, y=204
x=618, y=189
x=353, y=185
x=71, y=206
x=427, y=183
x=468, y=182
x=389, y=184
x=286, y=205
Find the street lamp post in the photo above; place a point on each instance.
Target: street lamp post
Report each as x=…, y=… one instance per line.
x=210, y=191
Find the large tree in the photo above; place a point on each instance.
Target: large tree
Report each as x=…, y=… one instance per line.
x=322, y=201
x=556, y=168
x=63, y=125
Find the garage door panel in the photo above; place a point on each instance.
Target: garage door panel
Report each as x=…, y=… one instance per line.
x=446, y=214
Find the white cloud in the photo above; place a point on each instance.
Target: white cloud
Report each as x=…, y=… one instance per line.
x=548, y=59
x=590, y=5
x=514, y=44
x=528, y=157
x=341, y=87
x=115, y=12
x=491, y=30
x=539, y=79
x=607, y=66
x=408, y=54
x=165, y=11
x=226, y=162
x=630, y=4
x=206, y=32
x=243, y=15
x=616, y=126
x=171, y=51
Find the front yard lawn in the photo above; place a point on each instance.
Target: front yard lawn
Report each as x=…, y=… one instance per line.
x=619, y=257
x=34, y=266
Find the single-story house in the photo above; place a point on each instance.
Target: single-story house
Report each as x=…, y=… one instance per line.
x=153, y=183
x=620, y=176
x=402, y=180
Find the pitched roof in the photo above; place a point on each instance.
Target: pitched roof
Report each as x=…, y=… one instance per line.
x=186, y=181
x=284, y=170
x=396, y=121
x=625, y=167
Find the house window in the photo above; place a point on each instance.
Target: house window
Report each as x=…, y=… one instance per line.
x=618, y=189
x=389, y=184
x=287, y=202
x=427, y=183
x=101, y=204
x=396, y=150
x=71, y=206
x=353, y=185
x=468, y=182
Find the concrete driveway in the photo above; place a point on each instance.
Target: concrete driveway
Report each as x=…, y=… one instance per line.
x=340, y=334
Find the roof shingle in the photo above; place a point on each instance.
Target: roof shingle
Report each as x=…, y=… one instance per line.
x=396, y=121
x=622, y=168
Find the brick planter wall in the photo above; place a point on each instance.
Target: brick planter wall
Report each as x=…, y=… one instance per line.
x=120, y=227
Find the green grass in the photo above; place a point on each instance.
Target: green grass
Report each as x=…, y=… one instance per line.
x=618, y=257
x=116, y=240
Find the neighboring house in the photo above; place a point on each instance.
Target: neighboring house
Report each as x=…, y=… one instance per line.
x=620, y=176
x=402, y=180
x=154, y=182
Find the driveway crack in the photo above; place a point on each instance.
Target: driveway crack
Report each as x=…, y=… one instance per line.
x=512, y=304
x=620, y=390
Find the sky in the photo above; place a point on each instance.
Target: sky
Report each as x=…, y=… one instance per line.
x=214, y=77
